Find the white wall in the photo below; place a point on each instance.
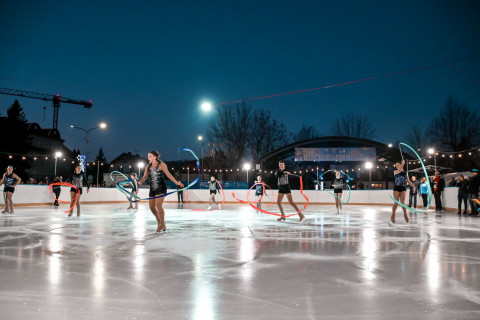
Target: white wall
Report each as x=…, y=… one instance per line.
x=39, y=195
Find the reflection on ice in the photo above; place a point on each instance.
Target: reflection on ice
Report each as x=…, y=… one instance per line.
x=238, y=264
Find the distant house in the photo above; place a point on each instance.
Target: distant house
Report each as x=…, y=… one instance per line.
x=44, y=144
x=128, y=162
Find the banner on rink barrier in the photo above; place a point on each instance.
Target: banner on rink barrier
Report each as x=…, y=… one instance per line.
x=335, y=154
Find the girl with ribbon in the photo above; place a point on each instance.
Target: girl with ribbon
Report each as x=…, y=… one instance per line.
x=78, y=180
x=259, y=191
x=213, y=187
x=10, y=180
x=337, y=185
x=134, y=184
x=284, y=189
x=155, y=172
x=400, y=189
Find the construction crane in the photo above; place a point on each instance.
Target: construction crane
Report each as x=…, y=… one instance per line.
x=47, y=97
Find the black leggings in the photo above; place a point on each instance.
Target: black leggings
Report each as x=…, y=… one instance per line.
x=462, y=197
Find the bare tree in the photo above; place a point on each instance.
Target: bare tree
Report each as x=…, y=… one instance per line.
x=267, y=134
x=306, y=133
x=355, y=126
x=456, y=127
x=229, y=132
x=416, y=137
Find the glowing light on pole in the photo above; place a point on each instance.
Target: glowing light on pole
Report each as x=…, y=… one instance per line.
x=200, y=138
x=140, y=166
x=369, y=165
x=246, y=166
x=432, y=151
x=206, y=106
x=57, y=155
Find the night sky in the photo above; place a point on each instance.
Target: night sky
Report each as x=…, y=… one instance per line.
x=147, y=65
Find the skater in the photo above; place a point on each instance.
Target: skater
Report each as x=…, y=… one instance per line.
x=134, y=185
x=213, y=187
x=259, y=192
x=78, y=180
x=156, y=171
x=337, y=185
x=284, y=189
x=400, y=189
x=10, y=180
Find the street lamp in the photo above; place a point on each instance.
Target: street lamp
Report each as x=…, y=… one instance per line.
x=246, y=166
x=101, y=125
x=200, y=138
x=432, y=151
x=369, y=165
x=140, y=166
x=57, y=155
x=206, y=106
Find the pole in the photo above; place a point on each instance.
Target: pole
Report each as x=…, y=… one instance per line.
x=318, y=186
x=98, y=170
x=202, y=162
x=55, y=166
x=435, y=160
x=247, y=178
x=188, y=176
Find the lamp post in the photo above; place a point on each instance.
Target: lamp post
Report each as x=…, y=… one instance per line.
x=57, y=154
x=140, y=166
x=102, y=125
x=432, y=151
x=369, y=165
x=246, y=166
x=200, y=138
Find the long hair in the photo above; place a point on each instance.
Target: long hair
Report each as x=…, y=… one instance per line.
x=157, y=155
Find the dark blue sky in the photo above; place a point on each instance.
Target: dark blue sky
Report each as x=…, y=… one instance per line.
x=147, y=65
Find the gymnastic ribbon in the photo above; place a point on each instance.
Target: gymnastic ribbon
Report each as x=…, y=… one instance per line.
x=66, y=184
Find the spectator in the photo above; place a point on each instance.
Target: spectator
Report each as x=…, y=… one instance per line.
x=413, y=192
x=424, y=192
x=56, y=190
x=452, y=182
x=462, y=185
x=438, y=187
x=473, y=190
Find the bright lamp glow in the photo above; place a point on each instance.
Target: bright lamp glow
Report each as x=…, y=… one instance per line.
x=368, y=165
x=246, y=166
x=140, y=165
x=206, y=106
x=200, y=138
x=390, y=145
x=102, y=125
x=58, y=154
x=431, y=151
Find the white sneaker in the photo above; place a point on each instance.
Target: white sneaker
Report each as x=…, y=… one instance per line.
x=209, y=207
x=219, y=207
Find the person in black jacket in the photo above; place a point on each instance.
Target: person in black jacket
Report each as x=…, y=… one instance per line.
x=473, y=190
x=462, y=186
x=56, y=190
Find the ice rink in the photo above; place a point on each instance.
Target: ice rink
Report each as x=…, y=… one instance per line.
x=238, y=264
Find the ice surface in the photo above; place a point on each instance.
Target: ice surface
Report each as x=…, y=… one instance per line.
x=238, y=264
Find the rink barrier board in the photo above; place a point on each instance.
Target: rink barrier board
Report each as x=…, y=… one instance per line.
x=38, y=195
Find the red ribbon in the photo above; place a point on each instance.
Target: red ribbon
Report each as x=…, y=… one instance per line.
x=272, y=213
x=66, y=184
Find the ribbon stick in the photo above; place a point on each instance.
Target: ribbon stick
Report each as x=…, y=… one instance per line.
x=223, y=200
x=426, y=176
x=66, y=184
